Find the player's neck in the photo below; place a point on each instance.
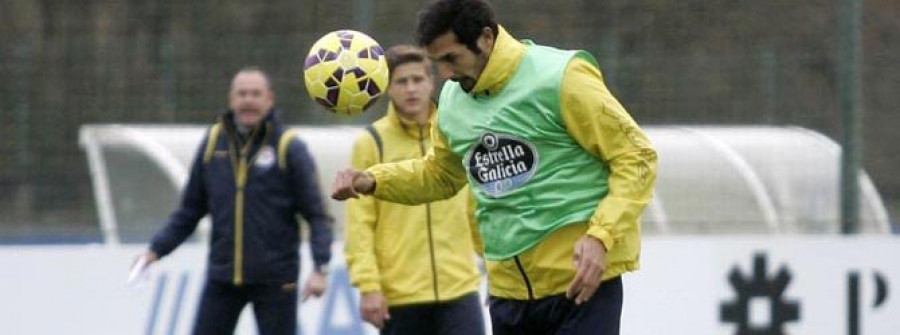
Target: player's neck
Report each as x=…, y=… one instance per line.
x=417, y=117
x=243, y=129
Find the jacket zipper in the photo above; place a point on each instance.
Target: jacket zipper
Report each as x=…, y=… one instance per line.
x=240, y=180
x=525, y=277
x=239, y=223
x=428, y=222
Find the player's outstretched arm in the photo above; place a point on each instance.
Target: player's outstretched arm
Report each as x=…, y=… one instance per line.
x=437, y=176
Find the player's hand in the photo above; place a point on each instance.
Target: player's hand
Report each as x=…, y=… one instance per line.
x=149, y=255
x=351, y=183
x=589, y=260
x=138, y=271
x=315, y=286
x=373, y=308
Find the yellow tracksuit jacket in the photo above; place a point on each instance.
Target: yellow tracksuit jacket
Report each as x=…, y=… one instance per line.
x=412, y=254
x=600, y=125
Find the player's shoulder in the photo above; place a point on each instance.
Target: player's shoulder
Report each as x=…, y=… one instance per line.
x=289, y=136
x=364, y=137
x=382, y=127
x=291, y=145
x=384, y=124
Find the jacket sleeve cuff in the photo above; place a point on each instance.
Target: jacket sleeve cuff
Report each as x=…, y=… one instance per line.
x=369, y=287
x=379, y=175
x=603, y=235
x=159, y=250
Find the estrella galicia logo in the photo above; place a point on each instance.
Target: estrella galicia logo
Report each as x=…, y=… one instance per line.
x=500, y=163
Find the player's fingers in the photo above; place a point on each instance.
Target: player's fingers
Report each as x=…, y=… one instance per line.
x=338, y=180
x=575, y=286
x=342, y=194
x=585, y=294
x=364, y=313
x=348, y=184
x=343, y=187
x=376, y=320
x=347, y=179
x=305, y=294
x=372, y=319
x=342, y=184
x=336, y=191
x=593, y=274
x=585, y=272
x=385, y=313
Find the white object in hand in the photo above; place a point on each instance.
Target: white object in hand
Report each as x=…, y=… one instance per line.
x=138, y=270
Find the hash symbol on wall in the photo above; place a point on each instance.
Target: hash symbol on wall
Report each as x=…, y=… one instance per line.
x=759, y=287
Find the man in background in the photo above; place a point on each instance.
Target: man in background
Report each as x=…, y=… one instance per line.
x=252, y=177
x=413, y=265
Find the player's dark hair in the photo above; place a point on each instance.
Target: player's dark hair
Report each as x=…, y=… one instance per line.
x=403, y=54
x=466, y=18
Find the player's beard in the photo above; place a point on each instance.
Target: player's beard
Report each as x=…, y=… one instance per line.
x=466, y=83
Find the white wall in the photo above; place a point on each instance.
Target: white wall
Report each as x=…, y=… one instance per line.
x=679, y=290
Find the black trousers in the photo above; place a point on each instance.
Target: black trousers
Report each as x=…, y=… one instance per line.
x=461, y=316
x=275, y=307
x=599, y=315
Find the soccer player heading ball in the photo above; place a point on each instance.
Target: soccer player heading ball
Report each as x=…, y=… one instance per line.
x=560, y=171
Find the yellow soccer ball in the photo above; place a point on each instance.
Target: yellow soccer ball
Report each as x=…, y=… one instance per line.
x=346, y=72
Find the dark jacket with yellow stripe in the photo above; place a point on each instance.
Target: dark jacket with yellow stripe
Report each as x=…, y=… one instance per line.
x=252, y=186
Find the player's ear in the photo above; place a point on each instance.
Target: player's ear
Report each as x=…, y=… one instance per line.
x=486, y=40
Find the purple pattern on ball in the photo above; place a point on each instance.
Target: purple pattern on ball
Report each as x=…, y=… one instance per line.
x=376, y=52
x=373, y=88
x=333, y=96
x=329, y=56
x=338, y=74
x=362, y=84
x=324, y=102
x=356, y=71
x=331, y=83
x=310, y=61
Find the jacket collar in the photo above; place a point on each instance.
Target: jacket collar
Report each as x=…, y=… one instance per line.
x=410, y=127
x=273, y=117
x=261, y=131
x=501, y=65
